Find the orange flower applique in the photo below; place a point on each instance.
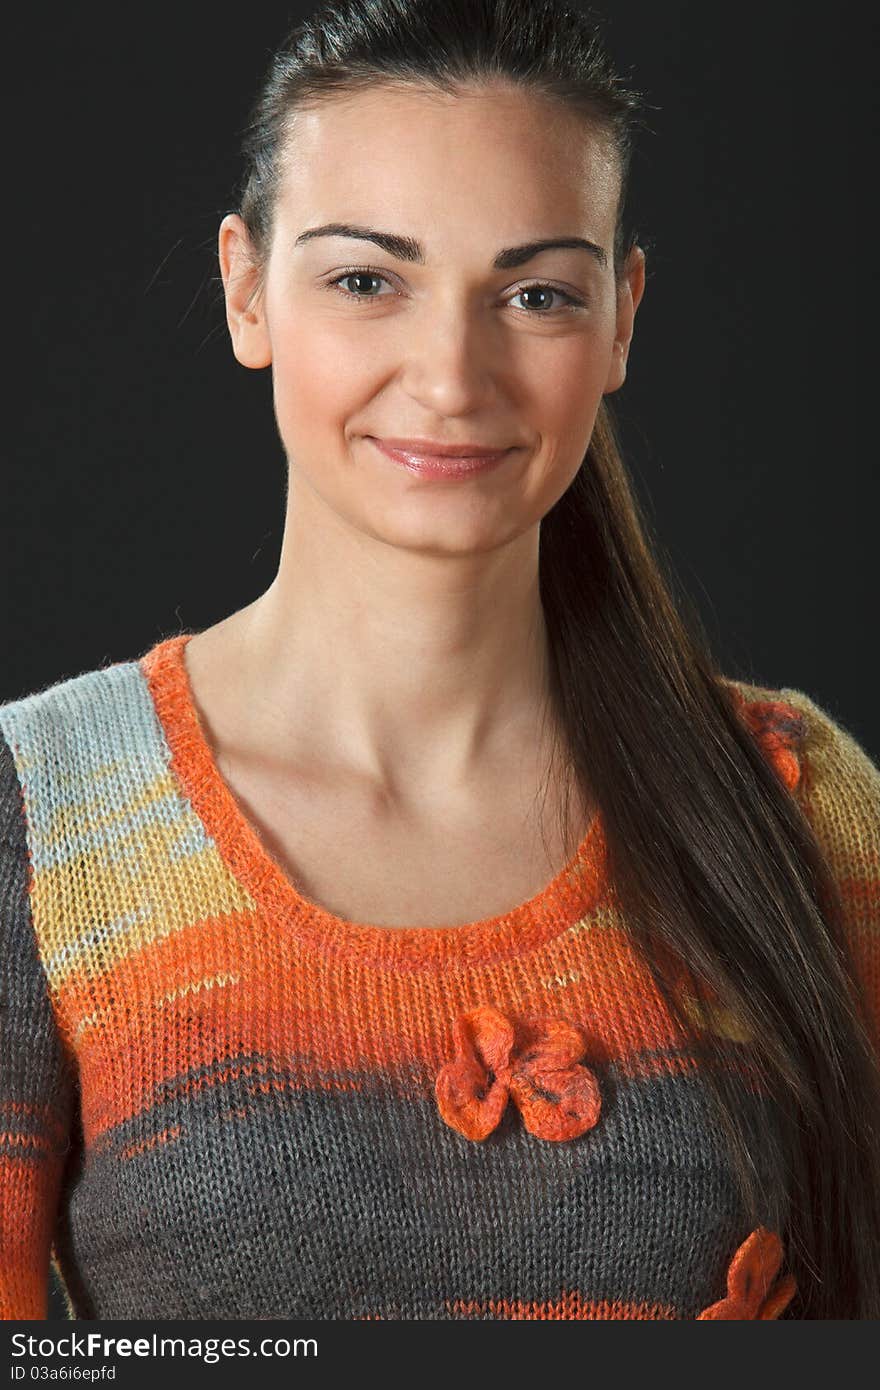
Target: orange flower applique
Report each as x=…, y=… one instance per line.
x=536, y=1061
x=753, y=1290
x=779, y=729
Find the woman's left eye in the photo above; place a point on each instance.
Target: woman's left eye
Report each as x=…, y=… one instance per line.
x=573, y=302
x=365, y=274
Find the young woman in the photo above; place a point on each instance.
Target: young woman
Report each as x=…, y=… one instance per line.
x=442, y=935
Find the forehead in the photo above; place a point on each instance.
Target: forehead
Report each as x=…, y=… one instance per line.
x=488, y=153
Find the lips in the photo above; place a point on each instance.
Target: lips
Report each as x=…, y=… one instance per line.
x=413, y=455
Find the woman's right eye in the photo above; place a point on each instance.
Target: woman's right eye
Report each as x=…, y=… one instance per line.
x=363, y=273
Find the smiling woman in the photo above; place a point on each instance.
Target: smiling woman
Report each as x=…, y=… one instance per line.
x=307, y=1013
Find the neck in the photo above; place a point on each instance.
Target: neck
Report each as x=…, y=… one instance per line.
x=407, y=668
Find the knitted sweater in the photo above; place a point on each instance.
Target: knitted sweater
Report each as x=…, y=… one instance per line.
x=220, y=1100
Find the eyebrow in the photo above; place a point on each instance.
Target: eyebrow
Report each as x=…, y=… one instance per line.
x=406, y=248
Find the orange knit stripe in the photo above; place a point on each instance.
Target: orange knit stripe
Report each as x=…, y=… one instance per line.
x=27, y=1236
x=199, y=991
x=174, y=972
x=569, y=1305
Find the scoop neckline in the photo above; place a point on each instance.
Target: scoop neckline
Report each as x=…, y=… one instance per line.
x=568, y=897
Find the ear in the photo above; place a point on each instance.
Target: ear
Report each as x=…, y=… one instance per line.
x=629, y=297
x=244, y=297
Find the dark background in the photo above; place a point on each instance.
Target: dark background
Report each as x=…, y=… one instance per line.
x=144, y=488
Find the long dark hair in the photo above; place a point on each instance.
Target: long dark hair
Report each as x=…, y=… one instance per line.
x=713, y=862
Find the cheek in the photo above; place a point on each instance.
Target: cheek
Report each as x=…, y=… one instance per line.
x=565, y=386
x=318, y=382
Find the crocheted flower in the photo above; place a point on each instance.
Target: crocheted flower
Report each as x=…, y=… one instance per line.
x=779, y=729
x=535, y=1061
x=751, y=1290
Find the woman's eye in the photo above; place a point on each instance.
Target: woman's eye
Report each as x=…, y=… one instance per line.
x=541, y=292
x=547, y=291
x=358, y=275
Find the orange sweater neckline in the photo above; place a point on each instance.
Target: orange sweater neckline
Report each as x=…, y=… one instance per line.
x=568, y=897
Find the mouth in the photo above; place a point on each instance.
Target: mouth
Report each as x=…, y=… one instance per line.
x=430, y=459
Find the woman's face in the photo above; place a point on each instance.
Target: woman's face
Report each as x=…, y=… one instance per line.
x=447, y=348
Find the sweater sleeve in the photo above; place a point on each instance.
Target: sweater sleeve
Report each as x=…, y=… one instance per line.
x=839, y=789
x=37, y=1084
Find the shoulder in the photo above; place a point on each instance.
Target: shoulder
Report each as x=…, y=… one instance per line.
x=839, y=787
x=819, y=756
x=76, y=721
x=837, y=784
x=82, y=776
x=60, y=703
x=69, y=753
x=833, y=755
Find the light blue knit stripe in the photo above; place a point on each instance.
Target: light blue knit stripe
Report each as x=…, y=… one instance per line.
x=96, y=730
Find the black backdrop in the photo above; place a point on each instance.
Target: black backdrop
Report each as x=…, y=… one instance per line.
x=144, y=486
